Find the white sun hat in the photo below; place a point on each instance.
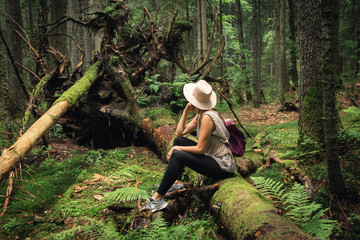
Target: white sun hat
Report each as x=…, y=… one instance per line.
x=200, y=95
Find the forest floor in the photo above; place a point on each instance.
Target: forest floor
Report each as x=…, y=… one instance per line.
x=86, y=166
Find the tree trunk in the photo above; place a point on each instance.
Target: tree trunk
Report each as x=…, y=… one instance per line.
x=282, y=78
x=13, y=155
x=357, y=34
x=13, y=22
x=256, y=49
x=330, y=69
x=58, y=41
x=202, y=28
x=221, y=32
x=188, y=36
x=74, y=7
x=240, y=32
x=292, y=37
x=310, y=99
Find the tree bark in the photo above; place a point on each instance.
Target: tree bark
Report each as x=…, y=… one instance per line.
x=58, y=39
x=256, y=49
x=240, y=32
x=281, y=75
x=310, y=99
x=202, y=28
x=292, y=37
x=13, y=24
x=330, y=69
x=13, y=155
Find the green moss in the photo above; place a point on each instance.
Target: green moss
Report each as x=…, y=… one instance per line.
x=161, y=116
x=311, y=125
x=247, y=211
x=39, y=87
x=80, y=88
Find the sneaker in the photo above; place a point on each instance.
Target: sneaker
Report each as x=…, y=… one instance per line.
x=155, y=205
x=174, y=187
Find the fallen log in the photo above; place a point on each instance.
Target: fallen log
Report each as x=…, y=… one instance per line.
x=13, y=155
x=244, y=214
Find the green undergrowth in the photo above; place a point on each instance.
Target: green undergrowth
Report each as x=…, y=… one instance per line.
x=69, y=199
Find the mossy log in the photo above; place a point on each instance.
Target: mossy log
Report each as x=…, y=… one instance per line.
x=245, y=214
x=13, y=155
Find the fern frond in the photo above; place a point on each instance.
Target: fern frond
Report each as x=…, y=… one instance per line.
x=157, y=230
x=127, y=194
x=129, y=172
x=302, y=214
x=319, y=227
x=298, y=206
x=269, y=187
x=298, y=196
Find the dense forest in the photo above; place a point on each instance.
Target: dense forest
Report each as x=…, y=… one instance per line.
x=91, y=92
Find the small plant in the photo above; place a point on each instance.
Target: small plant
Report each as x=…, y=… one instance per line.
x=159, y=229
x=154, y=85
x=297, y=206
x=128, y=194
x=56, y=131
x=176, y=88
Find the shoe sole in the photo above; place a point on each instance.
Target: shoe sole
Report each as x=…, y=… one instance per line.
x=160, y=208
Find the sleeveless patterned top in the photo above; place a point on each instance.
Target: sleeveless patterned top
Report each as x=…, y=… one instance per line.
x=216, y=147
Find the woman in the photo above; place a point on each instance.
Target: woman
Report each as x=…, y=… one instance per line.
x=209, y=156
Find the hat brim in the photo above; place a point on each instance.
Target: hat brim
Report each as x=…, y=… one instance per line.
x=188, y=93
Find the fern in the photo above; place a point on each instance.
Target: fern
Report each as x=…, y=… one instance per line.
x=94, y=229
x=129, y=172
x=160, y=230
x=319, y=226
x=269, y=187
x=157, y=230
x=298, y=206
x=354, y=113
x=127, y=194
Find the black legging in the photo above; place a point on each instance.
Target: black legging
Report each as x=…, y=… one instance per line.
x=200, y=163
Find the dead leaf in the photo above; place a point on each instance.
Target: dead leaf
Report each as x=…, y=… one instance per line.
x=79, y=188
x=98, y=197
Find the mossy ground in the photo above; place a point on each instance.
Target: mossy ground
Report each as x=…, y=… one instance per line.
x=63, y=198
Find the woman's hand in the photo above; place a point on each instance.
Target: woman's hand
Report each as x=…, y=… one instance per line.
x=189, y=108
x=169, y=154
x=175, y=148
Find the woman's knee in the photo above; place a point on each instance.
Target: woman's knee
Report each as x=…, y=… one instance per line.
x=177, y=156
x=178, y=141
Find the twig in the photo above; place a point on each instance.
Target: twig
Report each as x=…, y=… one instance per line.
x=8, y=192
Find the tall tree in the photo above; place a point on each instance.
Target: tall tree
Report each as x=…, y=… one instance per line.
x=356, y=22
x=202, y=28
x=188, y=35
x=256, y=49
x=281, y=75
x=310, y=99
x=292, y=46
x=58, y=39
x=239, y=26
x=330, y=73
x=12, y=40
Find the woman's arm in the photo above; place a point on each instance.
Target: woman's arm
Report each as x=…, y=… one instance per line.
x=183, y=129
x=206, y=129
